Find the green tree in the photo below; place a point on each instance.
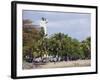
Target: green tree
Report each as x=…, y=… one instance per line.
x=86, y=46
x=30, y=36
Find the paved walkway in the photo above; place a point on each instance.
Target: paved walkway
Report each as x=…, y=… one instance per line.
x=78, y=63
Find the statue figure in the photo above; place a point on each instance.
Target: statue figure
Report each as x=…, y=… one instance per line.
x=43, y=23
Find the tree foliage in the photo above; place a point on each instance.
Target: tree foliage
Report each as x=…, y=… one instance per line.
x=36, y=44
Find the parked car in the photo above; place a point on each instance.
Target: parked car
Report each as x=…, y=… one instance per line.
x=37, y=60
x=45, y=60
x=53, y=59
x=29, y=58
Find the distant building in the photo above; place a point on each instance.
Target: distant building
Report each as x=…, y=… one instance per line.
x=31, y=26
x=43, y=23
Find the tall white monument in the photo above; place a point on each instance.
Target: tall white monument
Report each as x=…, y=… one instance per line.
x=43, y=23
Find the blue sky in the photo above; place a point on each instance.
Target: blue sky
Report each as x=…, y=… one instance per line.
x=76, y=25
